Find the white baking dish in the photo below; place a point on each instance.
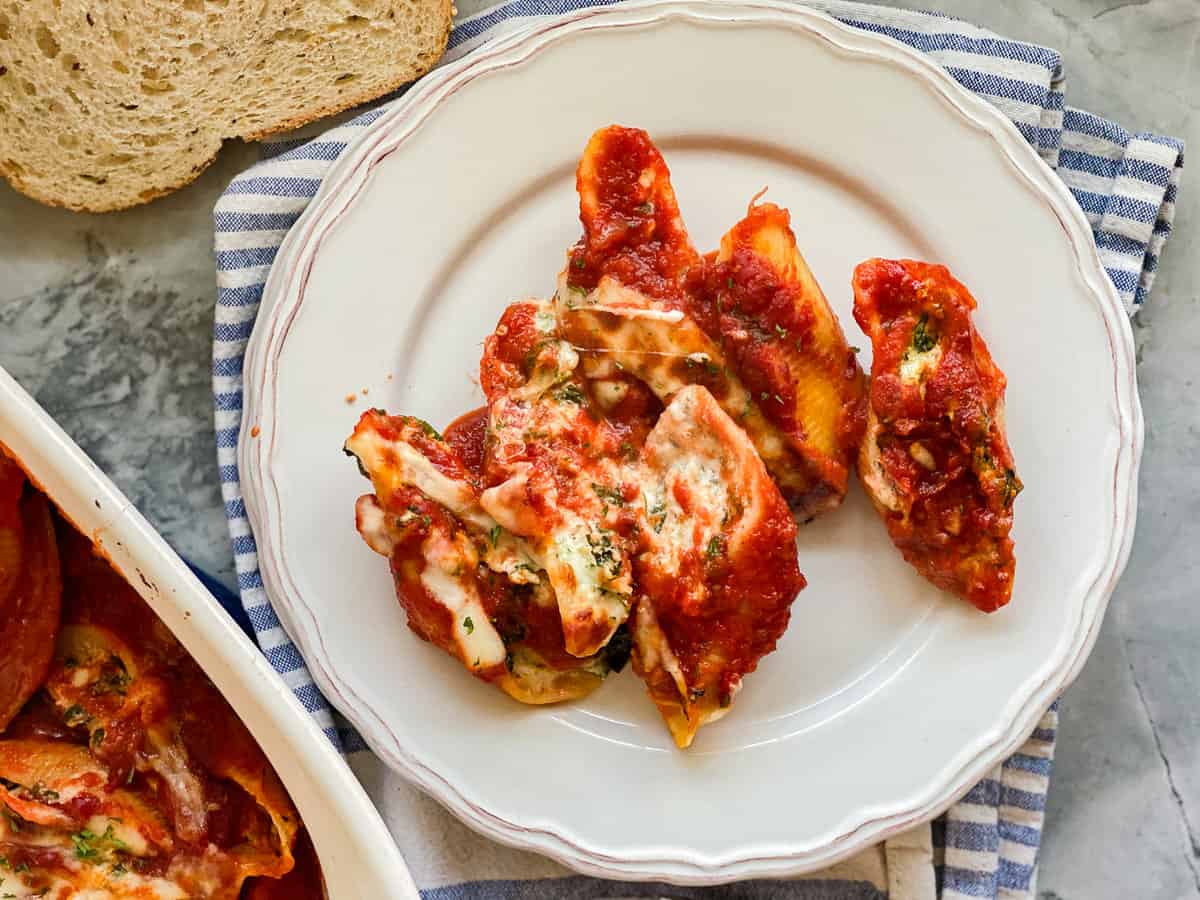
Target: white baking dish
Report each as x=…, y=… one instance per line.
x=357, y=854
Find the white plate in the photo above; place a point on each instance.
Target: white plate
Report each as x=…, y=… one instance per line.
x=886, y=699
x=358, y=856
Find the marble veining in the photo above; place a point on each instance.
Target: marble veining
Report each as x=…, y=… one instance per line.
x=107, y=320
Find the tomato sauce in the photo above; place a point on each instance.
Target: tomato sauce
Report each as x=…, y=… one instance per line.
x=745, y=605
x=778, y=334
x=519, y=620
x=466, y=435
x=510, y=351
x=632, y=229
x=938, y=396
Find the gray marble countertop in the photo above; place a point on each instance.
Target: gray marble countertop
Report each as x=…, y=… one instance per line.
x=107, y=320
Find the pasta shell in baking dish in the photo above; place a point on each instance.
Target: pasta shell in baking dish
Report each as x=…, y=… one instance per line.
x=127, y=774
x=30, y=590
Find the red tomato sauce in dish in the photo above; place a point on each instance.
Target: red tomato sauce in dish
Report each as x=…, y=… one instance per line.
x=125, y=765
x=936, y=459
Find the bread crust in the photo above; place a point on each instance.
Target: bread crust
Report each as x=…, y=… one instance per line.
x=446, y=12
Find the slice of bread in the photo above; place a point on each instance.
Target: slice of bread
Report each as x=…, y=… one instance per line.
x=107, y=105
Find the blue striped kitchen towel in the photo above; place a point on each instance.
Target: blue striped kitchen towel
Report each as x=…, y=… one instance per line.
x=986, y=845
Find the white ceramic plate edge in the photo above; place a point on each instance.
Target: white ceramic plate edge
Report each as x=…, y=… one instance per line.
x=358, y=855
x=351, y=174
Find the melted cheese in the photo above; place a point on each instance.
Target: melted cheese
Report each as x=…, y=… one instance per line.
x=127, y=833
x=448, y=576
x=677, y=529
x=372, y=523
x=701, y=481
x=669, y=352
x=397, y=463
x=96, y=883
x=171, y=763
x=585, y=568
x=914, y=365
x=880, y=488
x=555, y=363
x=393, y=464
x=655, y=649
x=583, y=561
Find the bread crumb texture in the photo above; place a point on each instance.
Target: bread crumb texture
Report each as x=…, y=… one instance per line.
x=105, y=104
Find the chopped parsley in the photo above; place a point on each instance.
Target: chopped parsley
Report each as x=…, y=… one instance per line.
x=362, y=470
x=781, y=331
x=494, y=535
x=854, y=349
x=85, y=847
x=716, y=547
x=657, y=514
x=570, y=393
x=923, y=340
x=75, y=715
x=578, y=262
x=608, y=494
x=428, y=429
x=93, y=847
x=15, y=822
x=113, y=681
x=41, y=793
x=646, y=209
x=604, y=555
x=729, y=282
x=469, y=625
x=1012, y=486
x=710, y=368
x=97, y=738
